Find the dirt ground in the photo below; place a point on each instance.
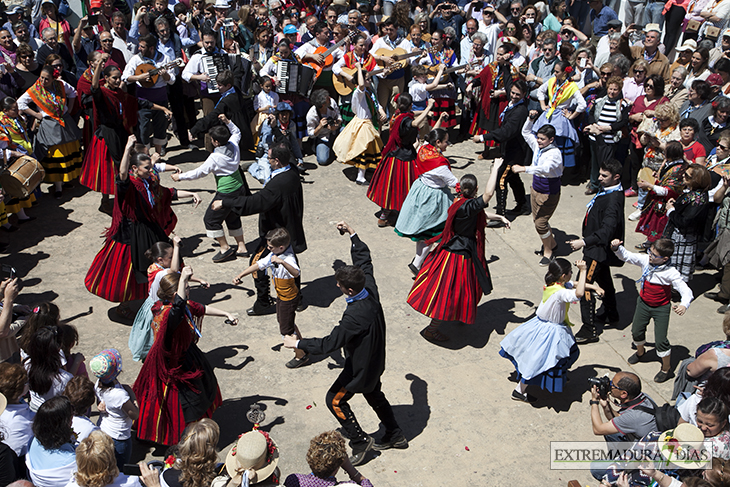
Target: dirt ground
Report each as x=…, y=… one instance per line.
x=452, y=400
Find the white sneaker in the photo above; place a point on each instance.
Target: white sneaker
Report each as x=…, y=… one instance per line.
x=635, y=216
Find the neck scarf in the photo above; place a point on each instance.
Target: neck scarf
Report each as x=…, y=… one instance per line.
x=394, y=141
x=368, y=63
x=429, y=158
x=559, y=94
x=52, y=102
x=229, y=92
x=359, y=296
x=649, y=271
x=508, y=108
x=548, y=291
x=601, y=193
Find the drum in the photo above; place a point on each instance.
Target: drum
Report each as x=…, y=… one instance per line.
x=22, y=177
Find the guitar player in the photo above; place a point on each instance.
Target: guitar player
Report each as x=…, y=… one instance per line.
x=151, y=120
x=307, y=54
x=393, y=83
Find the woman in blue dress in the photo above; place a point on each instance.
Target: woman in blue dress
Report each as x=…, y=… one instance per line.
x=543, y=348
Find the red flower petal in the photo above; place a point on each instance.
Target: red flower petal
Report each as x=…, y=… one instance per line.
x=466, y=448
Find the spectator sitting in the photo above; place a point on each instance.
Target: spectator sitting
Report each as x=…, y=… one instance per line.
x=51, y=458
x=80, y=391
x=46, y=375
x=326, y=455
x=16, y=422
x=43, y=315
x=717, y=386
x=196, y=457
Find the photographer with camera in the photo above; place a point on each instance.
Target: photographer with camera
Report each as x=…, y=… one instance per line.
x=323, y=124
x=634, y=418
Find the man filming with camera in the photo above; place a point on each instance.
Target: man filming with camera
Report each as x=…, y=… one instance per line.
x=635, y=415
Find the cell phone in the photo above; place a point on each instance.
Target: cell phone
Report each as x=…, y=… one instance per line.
x=8, y=272
x=94, y=19
x=132, y=469
x=583, y=62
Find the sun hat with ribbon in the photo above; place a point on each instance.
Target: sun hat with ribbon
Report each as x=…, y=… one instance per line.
x=254, y=450
x=106, y=365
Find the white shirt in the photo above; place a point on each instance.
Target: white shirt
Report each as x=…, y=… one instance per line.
x=465, y=47
x=576, y=102
x=311, y=46
x=417, y=91
x=16, y=422
x=384, y=42
x=83, y=427
x=161, y=60
x=223, y=161
x=603, y=52
x=32, y=42
x=439, y=177
x=57, y=388
x=114, y=422
x=25, y=101
x=263, y=99
x=278, y=270
x=554, y=308
x=492, y=32
x=313, y=118
x=549, y=164
x=127, y=46
x=360, y=105
x=669, y=276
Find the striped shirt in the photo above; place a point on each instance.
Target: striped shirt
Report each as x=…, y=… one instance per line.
x=610, y=114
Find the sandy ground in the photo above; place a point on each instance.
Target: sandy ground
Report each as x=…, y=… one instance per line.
x=453, y=400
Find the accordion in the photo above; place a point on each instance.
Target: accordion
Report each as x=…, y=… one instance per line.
x=295, y=78
x=214, y=64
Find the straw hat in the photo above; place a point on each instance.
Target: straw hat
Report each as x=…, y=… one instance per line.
x=251, y=452
x=688, y=45
x=675, y=444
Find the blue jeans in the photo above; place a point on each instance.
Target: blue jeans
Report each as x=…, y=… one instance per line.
x=323, y=149
x=653, y=13
x=642, y=197
x=122, y=452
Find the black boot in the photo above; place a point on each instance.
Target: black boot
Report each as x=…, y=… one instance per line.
x=264, y=305
x=501, y=208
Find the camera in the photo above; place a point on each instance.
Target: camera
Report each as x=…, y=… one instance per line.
x=330, y=120
x=478, y=6
x=602, y=383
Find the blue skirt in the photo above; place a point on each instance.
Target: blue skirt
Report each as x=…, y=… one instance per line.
x=141, y=337
x=424, y=211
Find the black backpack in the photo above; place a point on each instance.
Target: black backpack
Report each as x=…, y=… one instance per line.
x=666, y=416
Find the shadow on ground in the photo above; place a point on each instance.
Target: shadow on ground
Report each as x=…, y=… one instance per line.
x=232, y=413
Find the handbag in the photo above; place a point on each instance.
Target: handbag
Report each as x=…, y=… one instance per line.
x=712, y=32
x=693, y=26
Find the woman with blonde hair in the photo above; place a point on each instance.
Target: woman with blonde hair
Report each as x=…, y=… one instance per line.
x=196, y=456
x=96, y=466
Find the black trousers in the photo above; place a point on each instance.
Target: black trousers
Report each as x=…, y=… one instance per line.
x=213, y=220
x=338, y=403
x=673, y=21
x=507, y=177
x=632, y=167
x=177, y=106
x=599, y=273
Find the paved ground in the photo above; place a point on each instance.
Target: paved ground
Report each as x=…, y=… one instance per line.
x=453, y=401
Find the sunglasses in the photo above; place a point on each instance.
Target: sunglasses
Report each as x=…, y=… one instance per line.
x=605, y=74
x=722, y=147
x=614, y=386
x=637, y=71
x=649, y=86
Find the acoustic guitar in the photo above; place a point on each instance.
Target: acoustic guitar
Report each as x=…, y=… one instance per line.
x=435, y=69
x=400, y=55
x=154, y=71
x=327, y=53
x=344, y=87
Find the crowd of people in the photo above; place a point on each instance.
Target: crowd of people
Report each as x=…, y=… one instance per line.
x=631, y=97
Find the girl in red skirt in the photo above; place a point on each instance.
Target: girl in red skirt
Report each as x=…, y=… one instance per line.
x=450, y=283
x=115, y=116
x=142, y=216
x=176, y=385
x=397, y=169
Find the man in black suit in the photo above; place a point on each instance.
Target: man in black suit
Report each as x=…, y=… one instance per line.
x=513, y=149
x=361, y=333
x=280, y=203
x=604, y=221
x=233, y=106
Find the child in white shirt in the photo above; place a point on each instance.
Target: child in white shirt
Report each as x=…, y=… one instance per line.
x=116, y=402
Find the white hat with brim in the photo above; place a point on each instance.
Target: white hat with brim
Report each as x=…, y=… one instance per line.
x=15, y=9
x=250, y=452
x=726, y=33
x=684, y=437
x=688, y=45
x=652, y=27
x=3, y=402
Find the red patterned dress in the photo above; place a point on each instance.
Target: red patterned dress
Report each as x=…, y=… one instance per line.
x=654, y=212
x=176, y=385
x=445, y=100
x=493, y=77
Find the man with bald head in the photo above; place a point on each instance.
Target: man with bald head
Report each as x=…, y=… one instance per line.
x=634, y=417
x=116, y=57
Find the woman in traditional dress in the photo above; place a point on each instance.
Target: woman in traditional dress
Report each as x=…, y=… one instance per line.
x=114, y=119
x=687, y=217
x=359, y=142
x=445, y=98
x=543, y=348
x=668, y=186
x=451, y=282
x=494, y=84
x=397, y=169
x=14, y=132
x=142, y=216
x=299, y=104
x=561, y=102
x=57, y=144
x=358, y=54
x=176, y=385
x=426, y=206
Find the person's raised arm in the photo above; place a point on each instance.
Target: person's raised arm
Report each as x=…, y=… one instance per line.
x=360, y=78
x=421, y=119
x=10, y=292
x=76, y=41
x=437, y=79
x=580, y=288
x=492, y=182
x=124, y=164
x=97, y=72
x=175, y=263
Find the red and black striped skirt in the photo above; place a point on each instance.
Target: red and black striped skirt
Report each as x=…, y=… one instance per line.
x=111, y=275
x=391, y=182
x=475, y=129
x=97, y=173
x=446, y=288
x=444, y=105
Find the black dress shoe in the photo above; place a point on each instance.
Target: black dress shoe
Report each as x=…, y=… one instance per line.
x=715, y=297
x=396, y=441
x=495, y=224
x=27, y=220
